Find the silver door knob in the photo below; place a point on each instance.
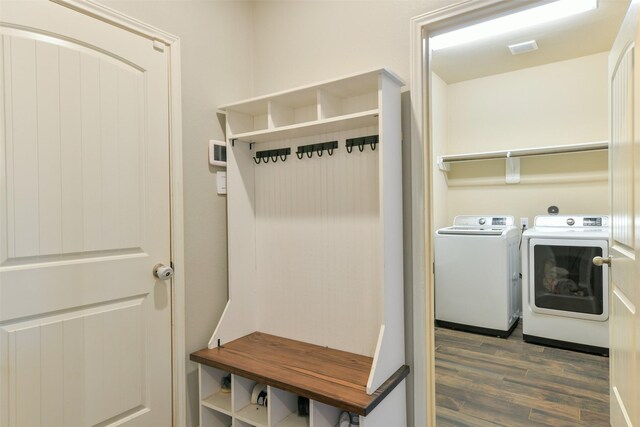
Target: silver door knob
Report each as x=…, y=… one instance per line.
x=162, y=272
x=598, y=260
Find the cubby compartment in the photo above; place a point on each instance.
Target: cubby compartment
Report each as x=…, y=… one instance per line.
x=238, y=423
x=248, y=117
x=212, y=418
x=293, y=109
x=283, y=409
x=338, y=99
x=212, y=394
x=323, y=415
x=244, y=410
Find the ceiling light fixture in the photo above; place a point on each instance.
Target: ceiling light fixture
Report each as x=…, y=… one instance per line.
x=516, y=21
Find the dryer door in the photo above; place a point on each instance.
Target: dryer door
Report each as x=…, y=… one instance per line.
x=563, y=280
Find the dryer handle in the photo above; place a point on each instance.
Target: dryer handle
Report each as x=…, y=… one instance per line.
x=598, y=261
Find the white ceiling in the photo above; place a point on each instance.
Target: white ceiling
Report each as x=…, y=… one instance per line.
x=584, y=34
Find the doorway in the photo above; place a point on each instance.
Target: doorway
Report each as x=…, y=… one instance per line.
x=480, y=107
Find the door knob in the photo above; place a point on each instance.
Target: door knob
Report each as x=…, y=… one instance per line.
x=162, y=272
x=598, y=260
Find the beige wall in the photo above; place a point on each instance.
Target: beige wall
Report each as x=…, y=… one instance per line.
x=439, y=139
x=560, y=103
x=555, y=104
x=300, y=42
x=216, y=44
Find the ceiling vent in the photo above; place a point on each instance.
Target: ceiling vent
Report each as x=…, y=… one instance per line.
x=517, y=49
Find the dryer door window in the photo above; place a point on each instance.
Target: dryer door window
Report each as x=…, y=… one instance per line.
x=565, y=281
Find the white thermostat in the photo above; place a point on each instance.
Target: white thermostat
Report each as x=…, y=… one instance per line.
x=218, y=153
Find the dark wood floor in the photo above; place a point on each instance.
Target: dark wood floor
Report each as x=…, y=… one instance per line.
x=487, y=381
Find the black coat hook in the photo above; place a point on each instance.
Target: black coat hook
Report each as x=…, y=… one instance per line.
x=272, y=155
x=318, y=148
x=371, y=140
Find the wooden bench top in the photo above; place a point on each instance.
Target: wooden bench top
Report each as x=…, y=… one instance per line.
x=334, y=377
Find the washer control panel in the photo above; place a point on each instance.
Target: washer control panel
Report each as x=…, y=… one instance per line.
x=483, y=220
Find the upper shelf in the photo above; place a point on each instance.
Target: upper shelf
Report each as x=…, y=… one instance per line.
x=329, y=106
x=334, y=124
x=521, y=152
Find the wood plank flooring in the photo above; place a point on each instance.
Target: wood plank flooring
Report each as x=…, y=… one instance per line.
x=488, y=381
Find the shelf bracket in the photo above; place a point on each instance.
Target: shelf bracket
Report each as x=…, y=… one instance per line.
x=442, y=165
x=512, y=165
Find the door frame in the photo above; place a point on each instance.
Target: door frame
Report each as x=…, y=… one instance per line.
x=162, y=40
x=422, y=164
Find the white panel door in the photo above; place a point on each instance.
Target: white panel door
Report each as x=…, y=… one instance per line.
x=624, y=155
x=85, y=328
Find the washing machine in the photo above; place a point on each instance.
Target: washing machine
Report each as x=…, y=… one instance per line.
x=565, y=297
x=477, y=275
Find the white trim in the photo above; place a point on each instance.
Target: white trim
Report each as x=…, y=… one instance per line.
x=118, y=19
x=177, y=239
x=421, y=208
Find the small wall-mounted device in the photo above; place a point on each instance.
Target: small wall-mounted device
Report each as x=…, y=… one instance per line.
x=218, y=153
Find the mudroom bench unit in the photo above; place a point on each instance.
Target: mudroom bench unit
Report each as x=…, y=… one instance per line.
x=333, y=381
x=316, y=305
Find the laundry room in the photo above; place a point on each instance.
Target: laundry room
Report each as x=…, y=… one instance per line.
x=520, y=124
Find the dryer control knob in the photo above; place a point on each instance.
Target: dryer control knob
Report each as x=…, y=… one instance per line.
x=481, y=221
x=571, y=221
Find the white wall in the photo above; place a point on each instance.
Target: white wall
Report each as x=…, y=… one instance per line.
x=216, y=44
x=560, y=103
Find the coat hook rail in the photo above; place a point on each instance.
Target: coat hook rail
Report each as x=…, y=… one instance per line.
x=361, y=142
x=319, y=149
x=273, y=155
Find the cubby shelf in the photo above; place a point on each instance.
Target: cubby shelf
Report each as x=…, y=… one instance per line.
x=255, y=415
x=219, y=401
x=294, y=420
x=299, y=130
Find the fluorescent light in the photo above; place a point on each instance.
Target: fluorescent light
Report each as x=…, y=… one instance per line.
x=516, y=21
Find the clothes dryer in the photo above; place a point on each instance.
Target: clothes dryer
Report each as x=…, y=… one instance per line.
x=565, y=297
x=477, y=286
